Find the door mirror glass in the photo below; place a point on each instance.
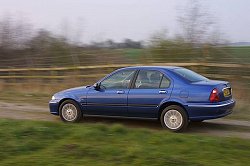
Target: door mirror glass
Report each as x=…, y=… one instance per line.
x=96, y=86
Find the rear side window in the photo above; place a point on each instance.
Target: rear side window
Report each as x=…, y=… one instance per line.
x=165, y=83
x=189, y=75
x=150, y=79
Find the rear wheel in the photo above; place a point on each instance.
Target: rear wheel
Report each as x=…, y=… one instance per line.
x=70, y=111
x=174, y=118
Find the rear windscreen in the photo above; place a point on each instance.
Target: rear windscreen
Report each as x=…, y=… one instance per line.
x=189, y=75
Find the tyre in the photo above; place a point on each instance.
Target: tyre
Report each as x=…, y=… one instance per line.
x=70, y=111
x=174, y=118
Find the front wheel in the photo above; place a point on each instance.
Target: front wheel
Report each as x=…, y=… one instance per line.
x=174, y=118
x=70, y=111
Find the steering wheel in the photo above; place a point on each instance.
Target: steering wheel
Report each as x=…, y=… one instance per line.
x=139, y=84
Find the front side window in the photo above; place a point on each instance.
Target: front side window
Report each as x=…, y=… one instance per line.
x=151, y=80
x=119, y=80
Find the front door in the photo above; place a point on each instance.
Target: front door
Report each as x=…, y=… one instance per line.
x=150, y=88
x=111, y=98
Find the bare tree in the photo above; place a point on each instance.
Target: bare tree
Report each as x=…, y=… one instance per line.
x=14, y=33
x=196, y=23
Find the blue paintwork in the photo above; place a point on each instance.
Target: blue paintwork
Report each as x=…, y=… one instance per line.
x=147, y=103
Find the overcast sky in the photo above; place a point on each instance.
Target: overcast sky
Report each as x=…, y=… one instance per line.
x=119, y=19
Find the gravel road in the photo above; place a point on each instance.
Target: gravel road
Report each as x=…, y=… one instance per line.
x=218, y=127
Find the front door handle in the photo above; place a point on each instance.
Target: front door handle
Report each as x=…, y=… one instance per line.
x=162, y=92
x=120, y=92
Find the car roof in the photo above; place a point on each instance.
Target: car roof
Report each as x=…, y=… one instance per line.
x=153, y=67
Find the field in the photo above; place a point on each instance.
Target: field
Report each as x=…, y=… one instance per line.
x=37, y=84
x=240, y=54
x=47, y=143
x=25, y=93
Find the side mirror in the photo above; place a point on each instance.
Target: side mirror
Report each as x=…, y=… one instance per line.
x=96, y=86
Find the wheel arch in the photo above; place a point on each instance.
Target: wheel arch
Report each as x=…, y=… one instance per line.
x=168, y=103
x=67, y=98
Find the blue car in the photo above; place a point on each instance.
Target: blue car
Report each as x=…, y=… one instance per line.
x=173, y=95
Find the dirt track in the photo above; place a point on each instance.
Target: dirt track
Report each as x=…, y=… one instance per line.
x=218, y=127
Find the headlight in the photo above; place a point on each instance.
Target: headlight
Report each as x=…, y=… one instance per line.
x=53, y=98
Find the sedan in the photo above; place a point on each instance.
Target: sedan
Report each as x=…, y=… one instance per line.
x=173, y=95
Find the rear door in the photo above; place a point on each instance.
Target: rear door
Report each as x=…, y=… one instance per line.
x=150, y=88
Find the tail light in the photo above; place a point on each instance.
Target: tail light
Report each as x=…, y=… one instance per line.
x=214, y=96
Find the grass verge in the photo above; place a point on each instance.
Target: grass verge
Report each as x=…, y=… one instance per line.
x=47, y=143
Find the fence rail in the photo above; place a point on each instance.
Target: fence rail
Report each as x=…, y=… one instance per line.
x=225, y=65
x=227, y=71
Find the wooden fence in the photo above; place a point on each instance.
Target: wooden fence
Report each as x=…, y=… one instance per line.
x=216, y=70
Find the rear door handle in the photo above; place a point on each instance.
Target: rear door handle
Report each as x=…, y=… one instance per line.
x=162, y=92
x=120, y=92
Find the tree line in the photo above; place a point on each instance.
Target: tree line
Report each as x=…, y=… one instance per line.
x=21, y=45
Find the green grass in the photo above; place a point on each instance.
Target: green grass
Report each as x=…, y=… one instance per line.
x=47, y=143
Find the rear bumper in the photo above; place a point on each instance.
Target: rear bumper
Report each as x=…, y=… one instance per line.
x=53, y=107
x=203, y=111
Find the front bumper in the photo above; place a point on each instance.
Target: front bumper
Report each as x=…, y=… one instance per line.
x=54, y=107
x=203, y=111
